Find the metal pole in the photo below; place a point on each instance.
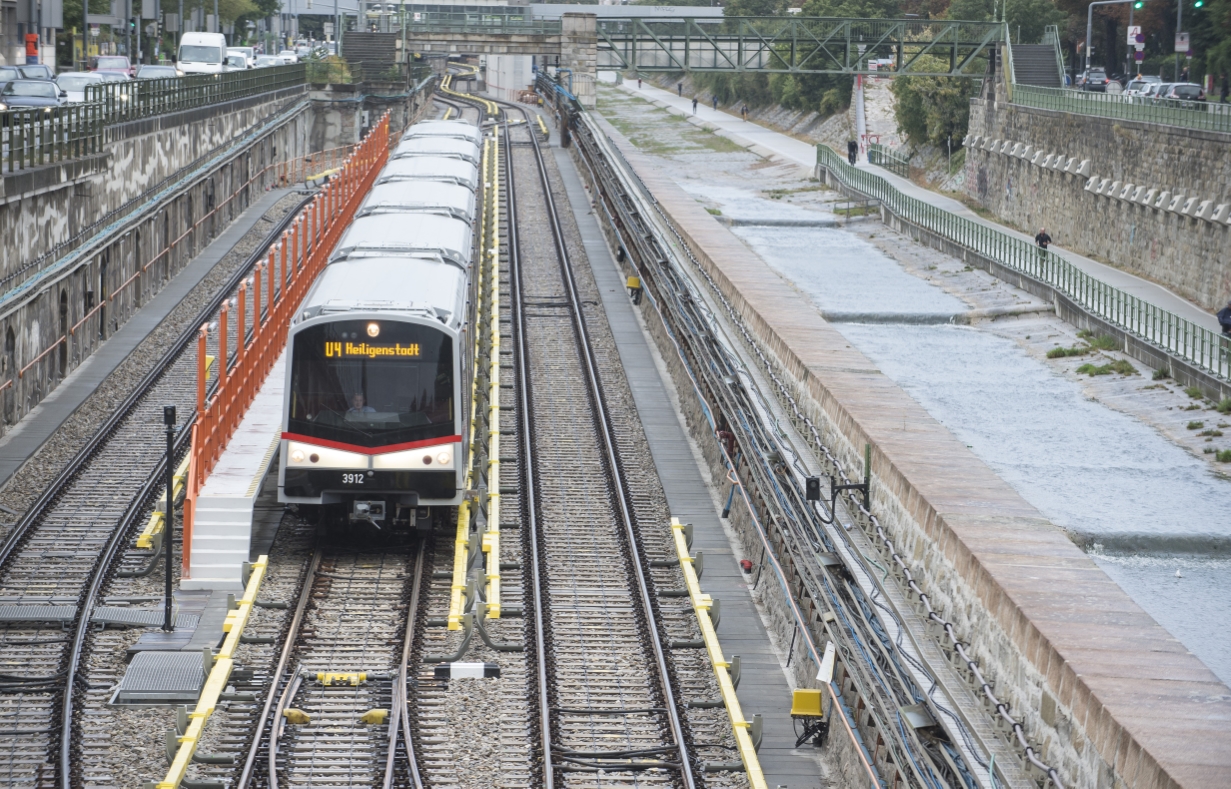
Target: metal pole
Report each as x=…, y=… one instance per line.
x=1179, y=26
x=168, y=418
x=1090, y=24
x=179, y=32
x=217, y=21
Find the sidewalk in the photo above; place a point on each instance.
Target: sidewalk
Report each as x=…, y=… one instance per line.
x=767, y=142
x=25, y=438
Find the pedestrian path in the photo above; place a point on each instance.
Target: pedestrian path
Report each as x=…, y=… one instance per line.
x=25, y=438
x=768, y=142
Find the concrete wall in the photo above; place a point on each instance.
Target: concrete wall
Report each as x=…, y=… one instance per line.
x=43, y=208
x=341, y=114
x=1090, y=209
x=124, y=264
x=508, y=75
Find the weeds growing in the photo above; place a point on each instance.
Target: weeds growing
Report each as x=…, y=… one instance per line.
x=1059, y=352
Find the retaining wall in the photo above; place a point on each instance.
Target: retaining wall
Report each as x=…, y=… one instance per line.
x=1186, y=253
x=1107, y=696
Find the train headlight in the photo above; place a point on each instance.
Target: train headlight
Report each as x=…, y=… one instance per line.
x=443, y=458
x=373, y=329
x=435, y=458
x=310, y=456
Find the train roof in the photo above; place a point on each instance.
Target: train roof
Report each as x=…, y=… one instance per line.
x=408, y=235
x=460, y=129
x=447, y=147
x=422, y=286
x=442, y=197
x=432, y=169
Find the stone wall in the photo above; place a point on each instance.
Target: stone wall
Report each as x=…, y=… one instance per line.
x=1150, y=199
x=60, y=314
x=579, y=54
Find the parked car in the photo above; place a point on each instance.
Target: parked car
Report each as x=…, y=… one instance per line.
x=202, y=53
x=74, y=83
x=26, y=93
x=115, y=64
x=1094, y=79
x=1155, y=91
x=1184, y=91
x=157, y=72
x=8, y=74
x=36, y=71
x=236, y=62
x=1137, y=85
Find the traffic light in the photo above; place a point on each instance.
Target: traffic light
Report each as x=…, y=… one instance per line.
x=1199, y=3
x=1139, y=4
x=132, y=24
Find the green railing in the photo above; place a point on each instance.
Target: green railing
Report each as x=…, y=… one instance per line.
x=46, y=135
x=890, y=159
x=1204, y=349
x=1208, y=116
x=141, y=98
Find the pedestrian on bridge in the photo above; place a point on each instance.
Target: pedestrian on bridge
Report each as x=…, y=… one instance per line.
x=852, y=152
x=694, y=105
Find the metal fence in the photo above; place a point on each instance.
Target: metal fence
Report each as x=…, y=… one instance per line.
x=142, y=98
x=891, y=160
x=1208, y=116
x=46, y=135
x=1200, y=347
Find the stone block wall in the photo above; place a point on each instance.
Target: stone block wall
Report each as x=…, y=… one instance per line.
x=579, y=54
x=1088, y=180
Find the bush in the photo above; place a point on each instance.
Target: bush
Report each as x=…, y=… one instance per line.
x=1223, y=456
x=1224, y=406
x=933, y=110
x=1196, y=425
x=1161, y=374
x=1060, y=353
x=1194, y=392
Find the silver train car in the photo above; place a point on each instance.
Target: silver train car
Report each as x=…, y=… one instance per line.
x=380, y=350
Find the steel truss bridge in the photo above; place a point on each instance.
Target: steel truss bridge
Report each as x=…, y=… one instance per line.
x=799, y=45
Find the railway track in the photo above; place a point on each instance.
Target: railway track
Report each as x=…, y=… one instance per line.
x=55, y=562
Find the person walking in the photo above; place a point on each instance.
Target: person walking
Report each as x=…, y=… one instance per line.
x=852, y=152
x=1042, y=240
x=679, y=89
x=1184, y=74
x=714, y=98
x=638, y=83
x=1224, y=319
x=694, y=105
x=743, y=112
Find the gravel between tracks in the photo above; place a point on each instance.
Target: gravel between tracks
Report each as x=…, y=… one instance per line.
x=29, y=482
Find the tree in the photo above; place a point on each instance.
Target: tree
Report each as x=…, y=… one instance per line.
x=933, y=110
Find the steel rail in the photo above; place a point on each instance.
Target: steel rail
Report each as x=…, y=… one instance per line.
x=292, y=631
x=400, y=713
x=46, y=501
x=614, y=469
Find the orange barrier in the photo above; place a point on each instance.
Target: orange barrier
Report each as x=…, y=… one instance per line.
x=293, y=266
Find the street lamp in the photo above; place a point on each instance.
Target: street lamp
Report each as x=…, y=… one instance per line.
x=1090, y=21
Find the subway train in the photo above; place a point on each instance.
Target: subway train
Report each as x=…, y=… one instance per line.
x=380, y=350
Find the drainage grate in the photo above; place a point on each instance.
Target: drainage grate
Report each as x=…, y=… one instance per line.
x=63, y=614
x=162, y=678
x=140, y=617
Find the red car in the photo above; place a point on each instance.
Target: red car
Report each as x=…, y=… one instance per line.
x=114, y=64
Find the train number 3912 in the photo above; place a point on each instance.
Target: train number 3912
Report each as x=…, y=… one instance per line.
x=352, y=479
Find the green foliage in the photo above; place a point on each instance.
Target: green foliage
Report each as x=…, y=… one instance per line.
x=1060, y=353
x=1195, y=425
x=1161, y=374
x=1118, y=366
x=1194, y=392
x=1104, y=342
x=933, y=110
x=1224, y=405
x=1223, y=456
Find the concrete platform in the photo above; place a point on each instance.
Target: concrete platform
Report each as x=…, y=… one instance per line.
x=768, y=142
x=764, y=687
x=224, y=512
x=25, y=438
x=1116, y=698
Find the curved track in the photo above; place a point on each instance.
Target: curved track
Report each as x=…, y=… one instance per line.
x=55, y=561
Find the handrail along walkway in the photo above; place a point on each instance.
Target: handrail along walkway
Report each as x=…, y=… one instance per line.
x=1177, y=337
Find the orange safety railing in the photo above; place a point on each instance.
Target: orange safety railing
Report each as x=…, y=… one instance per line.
x=293, y=264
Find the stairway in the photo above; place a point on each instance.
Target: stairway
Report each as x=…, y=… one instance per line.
x=1035, y=64
x=370, y=54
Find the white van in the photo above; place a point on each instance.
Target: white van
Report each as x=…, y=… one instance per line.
x=202, y=53
x=249, y=54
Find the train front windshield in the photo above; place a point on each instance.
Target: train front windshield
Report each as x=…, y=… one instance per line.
x=372, y=383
